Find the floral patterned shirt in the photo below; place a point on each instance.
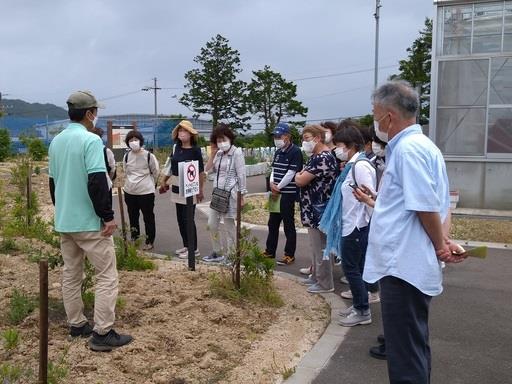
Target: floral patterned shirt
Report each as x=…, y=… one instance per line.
x=314, y=196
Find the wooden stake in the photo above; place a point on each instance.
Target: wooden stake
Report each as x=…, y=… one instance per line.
x=238, y=233
x=123, y=223
x=43, y=321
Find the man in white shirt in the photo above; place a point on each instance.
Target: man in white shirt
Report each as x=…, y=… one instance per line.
x=409, y=232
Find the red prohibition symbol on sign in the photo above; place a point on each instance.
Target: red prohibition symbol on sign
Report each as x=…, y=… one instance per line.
x=191, y=172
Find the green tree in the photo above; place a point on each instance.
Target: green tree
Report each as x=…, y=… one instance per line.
x=35, y=147
x=5, y=144
x=213, y=88
x=366, y=120
x=416, y=68
x=272, y=99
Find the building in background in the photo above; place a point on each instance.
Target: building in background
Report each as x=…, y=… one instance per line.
x=145, y=123
x=471, y=100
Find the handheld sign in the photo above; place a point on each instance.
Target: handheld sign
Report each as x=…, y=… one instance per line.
x=188, y=173
x=479, y=252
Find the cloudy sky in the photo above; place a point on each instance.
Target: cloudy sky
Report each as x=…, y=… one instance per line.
x=115, y=47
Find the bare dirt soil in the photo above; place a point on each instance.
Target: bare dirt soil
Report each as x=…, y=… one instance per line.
x=182, y=334
x=180, y=330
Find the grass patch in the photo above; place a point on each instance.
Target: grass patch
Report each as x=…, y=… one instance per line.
x=8, y=245
x=494, y=231
x=10, y=338
x=20, y=307
x=284, y=371
x=129, y=259
x=256, y=272
x=252, y=288
x=10, y=373
x=57, y=371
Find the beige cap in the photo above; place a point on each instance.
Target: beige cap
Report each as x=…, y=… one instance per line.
x=83, y=100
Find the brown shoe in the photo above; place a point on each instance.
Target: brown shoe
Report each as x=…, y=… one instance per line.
x=269, y=255
x=286, y=260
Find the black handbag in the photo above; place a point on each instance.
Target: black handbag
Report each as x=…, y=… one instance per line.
x=220, y=197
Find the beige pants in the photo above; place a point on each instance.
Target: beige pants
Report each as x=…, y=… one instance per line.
x=101, y=253
x=223, y=242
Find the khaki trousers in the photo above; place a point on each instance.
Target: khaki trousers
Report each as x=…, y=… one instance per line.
x=101, y=254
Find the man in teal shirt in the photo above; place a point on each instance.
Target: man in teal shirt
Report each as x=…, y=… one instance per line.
x=85, y=220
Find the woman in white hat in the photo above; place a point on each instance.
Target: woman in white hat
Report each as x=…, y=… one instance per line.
x=185, y=138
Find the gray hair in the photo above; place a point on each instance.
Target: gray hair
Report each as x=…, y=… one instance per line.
x=399, y=95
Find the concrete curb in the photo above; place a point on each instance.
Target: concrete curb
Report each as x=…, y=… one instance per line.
x=205, y=209
x=317, y=358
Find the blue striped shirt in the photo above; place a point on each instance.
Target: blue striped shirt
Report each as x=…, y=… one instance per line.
x=287, y=159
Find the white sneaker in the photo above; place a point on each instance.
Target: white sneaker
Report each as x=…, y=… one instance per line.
x=356, y=318
x=317, y=288
x=184, y=255
x=373, y=297
x=343, y=280
x=346, y=312
x=181, y=250
x=305, y=271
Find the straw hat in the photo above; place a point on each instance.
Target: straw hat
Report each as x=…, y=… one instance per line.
x=185, y=124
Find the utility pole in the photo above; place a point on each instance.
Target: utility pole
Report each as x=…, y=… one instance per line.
x=377, y=17
x=155, y=89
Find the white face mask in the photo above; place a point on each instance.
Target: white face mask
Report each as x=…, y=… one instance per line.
x=378, y=149
x=328, y=137
x=224, y=145
x=134, y=145
x=308, y=147
x=279, y=143
x=381, y=135
x=94, y=121
x=341, y=154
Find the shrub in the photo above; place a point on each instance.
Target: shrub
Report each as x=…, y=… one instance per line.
x=35, y=147
x=5, y=144
x=11, y=338
x=54, y=258
x=256, y=284
x=20, y=307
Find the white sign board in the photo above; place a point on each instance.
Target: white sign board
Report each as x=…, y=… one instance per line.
x=188, y=173
x=118, y=137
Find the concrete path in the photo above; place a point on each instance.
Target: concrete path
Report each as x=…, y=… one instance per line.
x=471, y=332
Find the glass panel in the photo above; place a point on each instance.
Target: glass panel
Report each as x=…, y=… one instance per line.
x=457, y=29
x=487, y=27
x=507, y=38
x=461, y=131
x=463, y=82
x=499, y=138
x=501, y=81
x=439, y=31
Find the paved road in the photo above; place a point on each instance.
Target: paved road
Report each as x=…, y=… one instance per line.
x=471, y=332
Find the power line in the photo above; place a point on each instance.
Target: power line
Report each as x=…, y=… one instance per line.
x=344, y=73
x=337, y=93
x=121, y=95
